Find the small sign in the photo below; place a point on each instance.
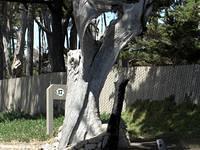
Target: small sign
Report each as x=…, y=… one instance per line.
x=60, y=92
x=53, y=92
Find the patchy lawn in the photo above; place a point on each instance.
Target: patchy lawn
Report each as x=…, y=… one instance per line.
x=20, y=127
x=145, y=120
x=25, y=128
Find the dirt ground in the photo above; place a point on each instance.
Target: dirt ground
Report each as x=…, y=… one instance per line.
x=14, y=145
x=37, y=145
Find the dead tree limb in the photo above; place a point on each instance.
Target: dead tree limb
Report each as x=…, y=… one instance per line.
x=114, y=122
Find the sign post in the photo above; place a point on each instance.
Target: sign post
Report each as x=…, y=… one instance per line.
x=53, y=92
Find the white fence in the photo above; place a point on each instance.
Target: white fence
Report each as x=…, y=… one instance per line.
x=156, y=83
x=28, y=94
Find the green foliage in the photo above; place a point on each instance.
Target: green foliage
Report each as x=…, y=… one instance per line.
x=173, y=37
x=153, y=119
x=104, y=117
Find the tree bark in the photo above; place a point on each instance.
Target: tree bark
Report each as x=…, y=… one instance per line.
x=73, y=36
x=30, y=41
x=5, y=34
x=17, y=65
x=57, y=53
x=89, y=67
x=65, y=25
x=40, y=52
x=115, y=118
x=13, y=43
x=1, y=56
x=47, y=22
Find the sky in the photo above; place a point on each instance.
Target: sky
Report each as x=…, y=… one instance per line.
x=36, y=32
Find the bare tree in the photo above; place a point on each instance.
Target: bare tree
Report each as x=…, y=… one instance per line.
x=56, y=29
x=30, y=26
x=5, y=34
x=40, y=51
x=73, y=35
x=58, y=64
x=17, y=65
x=89, y=67
x=1, y=55
x=56, y=32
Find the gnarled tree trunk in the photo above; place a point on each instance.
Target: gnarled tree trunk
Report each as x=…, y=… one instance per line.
x=89, y=67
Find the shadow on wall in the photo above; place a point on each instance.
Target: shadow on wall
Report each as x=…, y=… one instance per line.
x=108, y=93
x=28, y=94
x=159, y=82
x=153, y=83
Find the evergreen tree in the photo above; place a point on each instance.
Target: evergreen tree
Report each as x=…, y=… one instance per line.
x=173, y=37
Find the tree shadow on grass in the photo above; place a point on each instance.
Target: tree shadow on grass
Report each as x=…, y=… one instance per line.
x=177, y=124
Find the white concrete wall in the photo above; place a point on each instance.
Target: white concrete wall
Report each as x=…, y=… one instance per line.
x=28, y=94
x=155, y=83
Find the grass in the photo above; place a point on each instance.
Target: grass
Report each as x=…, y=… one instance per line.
x=25, y=128
x=147, y=119
x=154, y=119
